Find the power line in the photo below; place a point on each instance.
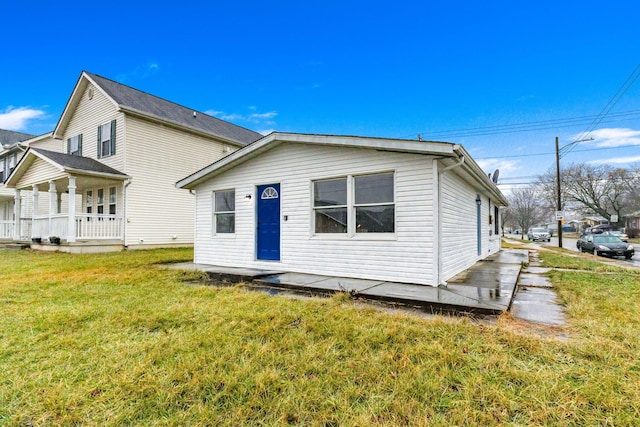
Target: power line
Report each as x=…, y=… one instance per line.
x=526, y=126
x=553, y=153
x=622, y=90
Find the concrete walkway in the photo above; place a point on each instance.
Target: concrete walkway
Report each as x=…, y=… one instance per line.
x=487, y=287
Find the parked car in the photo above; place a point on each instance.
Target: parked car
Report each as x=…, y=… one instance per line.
x=619, y=234
x=539, y=234
x=605, y=245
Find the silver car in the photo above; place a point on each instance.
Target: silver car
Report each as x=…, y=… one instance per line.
x=539, y=235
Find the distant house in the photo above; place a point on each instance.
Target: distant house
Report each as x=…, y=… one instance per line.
x=381, y=209
x=632, y=222
x=11, y=152
x=105, y=178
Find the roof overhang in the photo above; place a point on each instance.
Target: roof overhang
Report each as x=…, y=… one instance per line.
x=154, y=118
x=272, y=140
x=438, y=149
x=29, y=157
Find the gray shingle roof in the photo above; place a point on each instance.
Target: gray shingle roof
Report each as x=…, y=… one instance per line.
x=77, y=162
x=143, y=102
x=8, y=137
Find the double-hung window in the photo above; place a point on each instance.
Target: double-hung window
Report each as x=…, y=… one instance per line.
x=12, y=164
x=2, y=174
x=74, y=145
x=100, y=201
x=107, y=139
x=89, y=201
x=330, y=205
x=113, y=197
x=354, y=204
x=224, y=212
x=374, y=206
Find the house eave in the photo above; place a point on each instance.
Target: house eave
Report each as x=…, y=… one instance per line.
x=137, y=113
x=444, y=149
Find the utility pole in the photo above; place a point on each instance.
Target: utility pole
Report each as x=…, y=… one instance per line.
x=559, y=193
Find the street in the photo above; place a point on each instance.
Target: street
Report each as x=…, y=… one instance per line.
x=570, y=244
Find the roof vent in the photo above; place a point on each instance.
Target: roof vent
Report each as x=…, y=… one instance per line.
x=194, y=114
x=90, y=93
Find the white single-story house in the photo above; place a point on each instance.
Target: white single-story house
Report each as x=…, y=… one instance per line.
x=371, y=208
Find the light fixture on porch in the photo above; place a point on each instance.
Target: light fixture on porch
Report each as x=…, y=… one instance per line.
x=478, y=200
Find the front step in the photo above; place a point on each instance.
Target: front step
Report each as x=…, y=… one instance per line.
x=17, y=246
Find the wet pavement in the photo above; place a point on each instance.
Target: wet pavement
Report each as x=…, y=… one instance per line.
x=487, y=287
x=535, y=300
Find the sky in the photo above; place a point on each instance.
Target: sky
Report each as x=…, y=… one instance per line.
x=504, y=79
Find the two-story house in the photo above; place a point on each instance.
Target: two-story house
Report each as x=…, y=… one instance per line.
x=105, y=179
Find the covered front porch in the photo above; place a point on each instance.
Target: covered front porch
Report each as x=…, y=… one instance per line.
x=71, y=201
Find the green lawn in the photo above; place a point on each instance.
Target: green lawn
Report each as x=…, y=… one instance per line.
x=112, y=340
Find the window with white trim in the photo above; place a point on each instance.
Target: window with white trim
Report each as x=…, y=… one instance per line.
x=2, y=175
x=107, y=139
x=100, y=201
x=369, y=206
x=89, y=201
x=224, y=212
x=330, y=205
x=11, y=164
x=374, y=203
x=74, y=145
x=113, y=197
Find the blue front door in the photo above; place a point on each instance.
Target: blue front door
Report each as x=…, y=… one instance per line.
x=268, y=227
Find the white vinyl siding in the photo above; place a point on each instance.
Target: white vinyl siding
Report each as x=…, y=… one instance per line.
x=40, y=172
x=459, y=226
x=88, y=115
x=157, y=157
x=405, y=257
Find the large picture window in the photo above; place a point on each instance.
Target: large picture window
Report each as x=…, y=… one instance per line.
x=224, y=212
x=368, y=208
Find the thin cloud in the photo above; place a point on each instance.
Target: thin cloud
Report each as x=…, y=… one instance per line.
x=18, y=118
x=263, y=119
x=505, y=166
x=614, y=137
x=616, y=160
x=140, y=72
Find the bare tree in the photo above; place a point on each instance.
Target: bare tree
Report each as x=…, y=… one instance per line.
x=601, y=189
x=525, y=206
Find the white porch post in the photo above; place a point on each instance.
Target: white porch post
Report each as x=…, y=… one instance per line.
x=71, y=237
x=53, y=204
x=17, y=209
x=36, y=200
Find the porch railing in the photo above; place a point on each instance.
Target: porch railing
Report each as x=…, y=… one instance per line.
x=6, y=229
x=87, y=226
x=25, y=228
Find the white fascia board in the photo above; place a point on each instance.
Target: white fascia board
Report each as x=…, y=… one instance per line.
x=274, y=139
x=481, y=177
x=400, y=145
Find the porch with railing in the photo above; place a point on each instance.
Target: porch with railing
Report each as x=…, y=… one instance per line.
x=87, y=226
x=6, y=229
